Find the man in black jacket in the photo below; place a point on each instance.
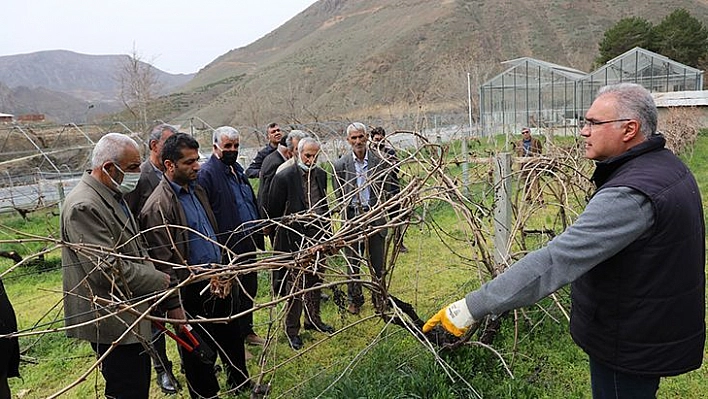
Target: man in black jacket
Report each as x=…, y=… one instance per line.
x=635, y=257
x=274, y=135
x=300, y=193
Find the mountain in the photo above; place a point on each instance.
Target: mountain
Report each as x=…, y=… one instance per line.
x=71, y=80
x=344, y=59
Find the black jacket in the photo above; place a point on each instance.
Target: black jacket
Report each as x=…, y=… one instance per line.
x=9, y=347
x=268, y=168
x=287, y=197
x=254, y=168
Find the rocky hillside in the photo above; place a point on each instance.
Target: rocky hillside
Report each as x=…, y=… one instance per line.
x=61, y=84
x=384, y=58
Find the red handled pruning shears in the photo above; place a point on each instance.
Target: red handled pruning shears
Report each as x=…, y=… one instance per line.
x=195, y=346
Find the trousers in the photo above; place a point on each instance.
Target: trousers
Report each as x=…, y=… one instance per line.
x=612, y=384
x=126, y=370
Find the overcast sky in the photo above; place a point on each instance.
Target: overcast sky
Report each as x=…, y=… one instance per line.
x=177, y=36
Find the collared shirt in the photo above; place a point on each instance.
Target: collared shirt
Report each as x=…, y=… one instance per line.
x=243, y=194
x=361, y=167
x=157, y=171
x=201, y=251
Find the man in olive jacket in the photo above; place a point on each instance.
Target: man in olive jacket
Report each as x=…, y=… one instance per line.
x=101, y=264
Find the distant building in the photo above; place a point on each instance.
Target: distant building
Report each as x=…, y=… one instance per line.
x=6, y=118
x=31, y=118
x=692, y=103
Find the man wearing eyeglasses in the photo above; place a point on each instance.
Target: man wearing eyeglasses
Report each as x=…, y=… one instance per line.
x=635, y=257
x=274, y=135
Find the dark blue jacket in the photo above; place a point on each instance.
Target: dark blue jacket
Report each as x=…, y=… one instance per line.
x=642, y=311
x=213, y=177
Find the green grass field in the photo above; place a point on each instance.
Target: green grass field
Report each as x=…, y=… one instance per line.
x=366, y=358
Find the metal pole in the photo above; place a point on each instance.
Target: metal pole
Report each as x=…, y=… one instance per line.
x=502, y=207
x=465, y=166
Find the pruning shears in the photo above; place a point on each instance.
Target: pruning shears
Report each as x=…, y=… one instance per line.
x=190, y=341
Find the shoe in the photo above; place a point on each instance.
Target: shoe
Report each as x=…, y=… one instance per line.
x=295, y=342
x=353, y=309
x=167, y=383
x=321, y=327
x=254, y=339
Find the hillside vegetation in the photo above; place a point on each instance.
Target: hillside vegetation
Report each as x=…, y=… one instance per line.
x=364, y=58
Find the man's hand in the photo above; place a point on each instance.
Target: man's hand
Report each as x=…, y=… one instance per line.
x=166, y=280
x=455, y=318
x=177, y=314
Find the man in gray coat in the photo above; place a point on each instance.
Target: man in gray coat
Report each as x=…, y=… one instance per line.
x=151, y=171
x=101, y=264
x=361, y=181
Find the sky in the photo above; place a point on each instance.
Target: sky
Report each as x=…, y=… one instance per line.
x=176, y=36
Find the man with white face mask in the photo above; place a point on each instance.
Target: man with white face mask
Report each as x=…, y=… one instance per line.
x=95, y=216
x=301, y=189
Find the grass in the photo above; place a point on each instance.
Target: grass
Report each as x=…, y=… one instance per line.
x=367, y=360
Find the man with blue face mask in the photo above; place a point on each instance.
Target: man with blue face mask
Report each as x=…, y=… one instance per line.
x=301, y=189
x=95, y=217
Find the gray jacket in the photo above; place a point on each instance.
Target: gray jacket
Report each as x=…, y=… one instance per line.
x=593, y=238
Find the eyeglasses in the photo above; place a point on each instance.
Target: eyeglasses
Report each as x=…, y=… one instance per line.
x=589, y=123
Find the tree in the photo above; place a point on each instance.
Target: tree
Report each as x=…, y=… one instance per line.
x=138, y=87
x=679, y=36
x=625, y=35
x=682, y=37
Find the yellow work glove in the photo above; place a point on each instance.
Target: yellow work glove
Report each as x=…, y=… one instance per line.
x=455, y=318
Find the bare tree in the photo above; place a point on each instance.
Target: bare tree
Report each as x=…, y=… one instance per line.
x=138, y=87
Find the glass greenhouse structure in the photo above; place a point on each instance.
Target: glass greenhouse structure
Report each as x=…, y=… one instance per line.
x=554, y=98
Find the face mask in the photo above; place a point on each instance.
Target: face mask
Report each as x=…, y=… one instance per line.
x=130, y=180
x=229, y=157
x=303, y=166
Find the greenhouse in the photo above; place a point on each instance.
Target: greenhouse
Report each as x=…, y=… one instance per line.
x=553, y=98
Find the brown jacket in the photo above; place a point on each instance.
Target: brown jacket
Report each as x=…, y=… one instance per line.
x=536, y=148
x=95, y=226
x=159, y=218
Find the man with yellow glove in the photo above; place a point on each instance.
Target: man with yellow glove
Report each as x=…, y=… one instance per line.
x=635, y=257
x=455, y=318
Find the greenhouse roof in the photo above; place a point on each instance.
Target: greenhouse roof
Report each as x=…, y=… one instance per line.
x=564, y=70
x=520, y=66
x=639, y=59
